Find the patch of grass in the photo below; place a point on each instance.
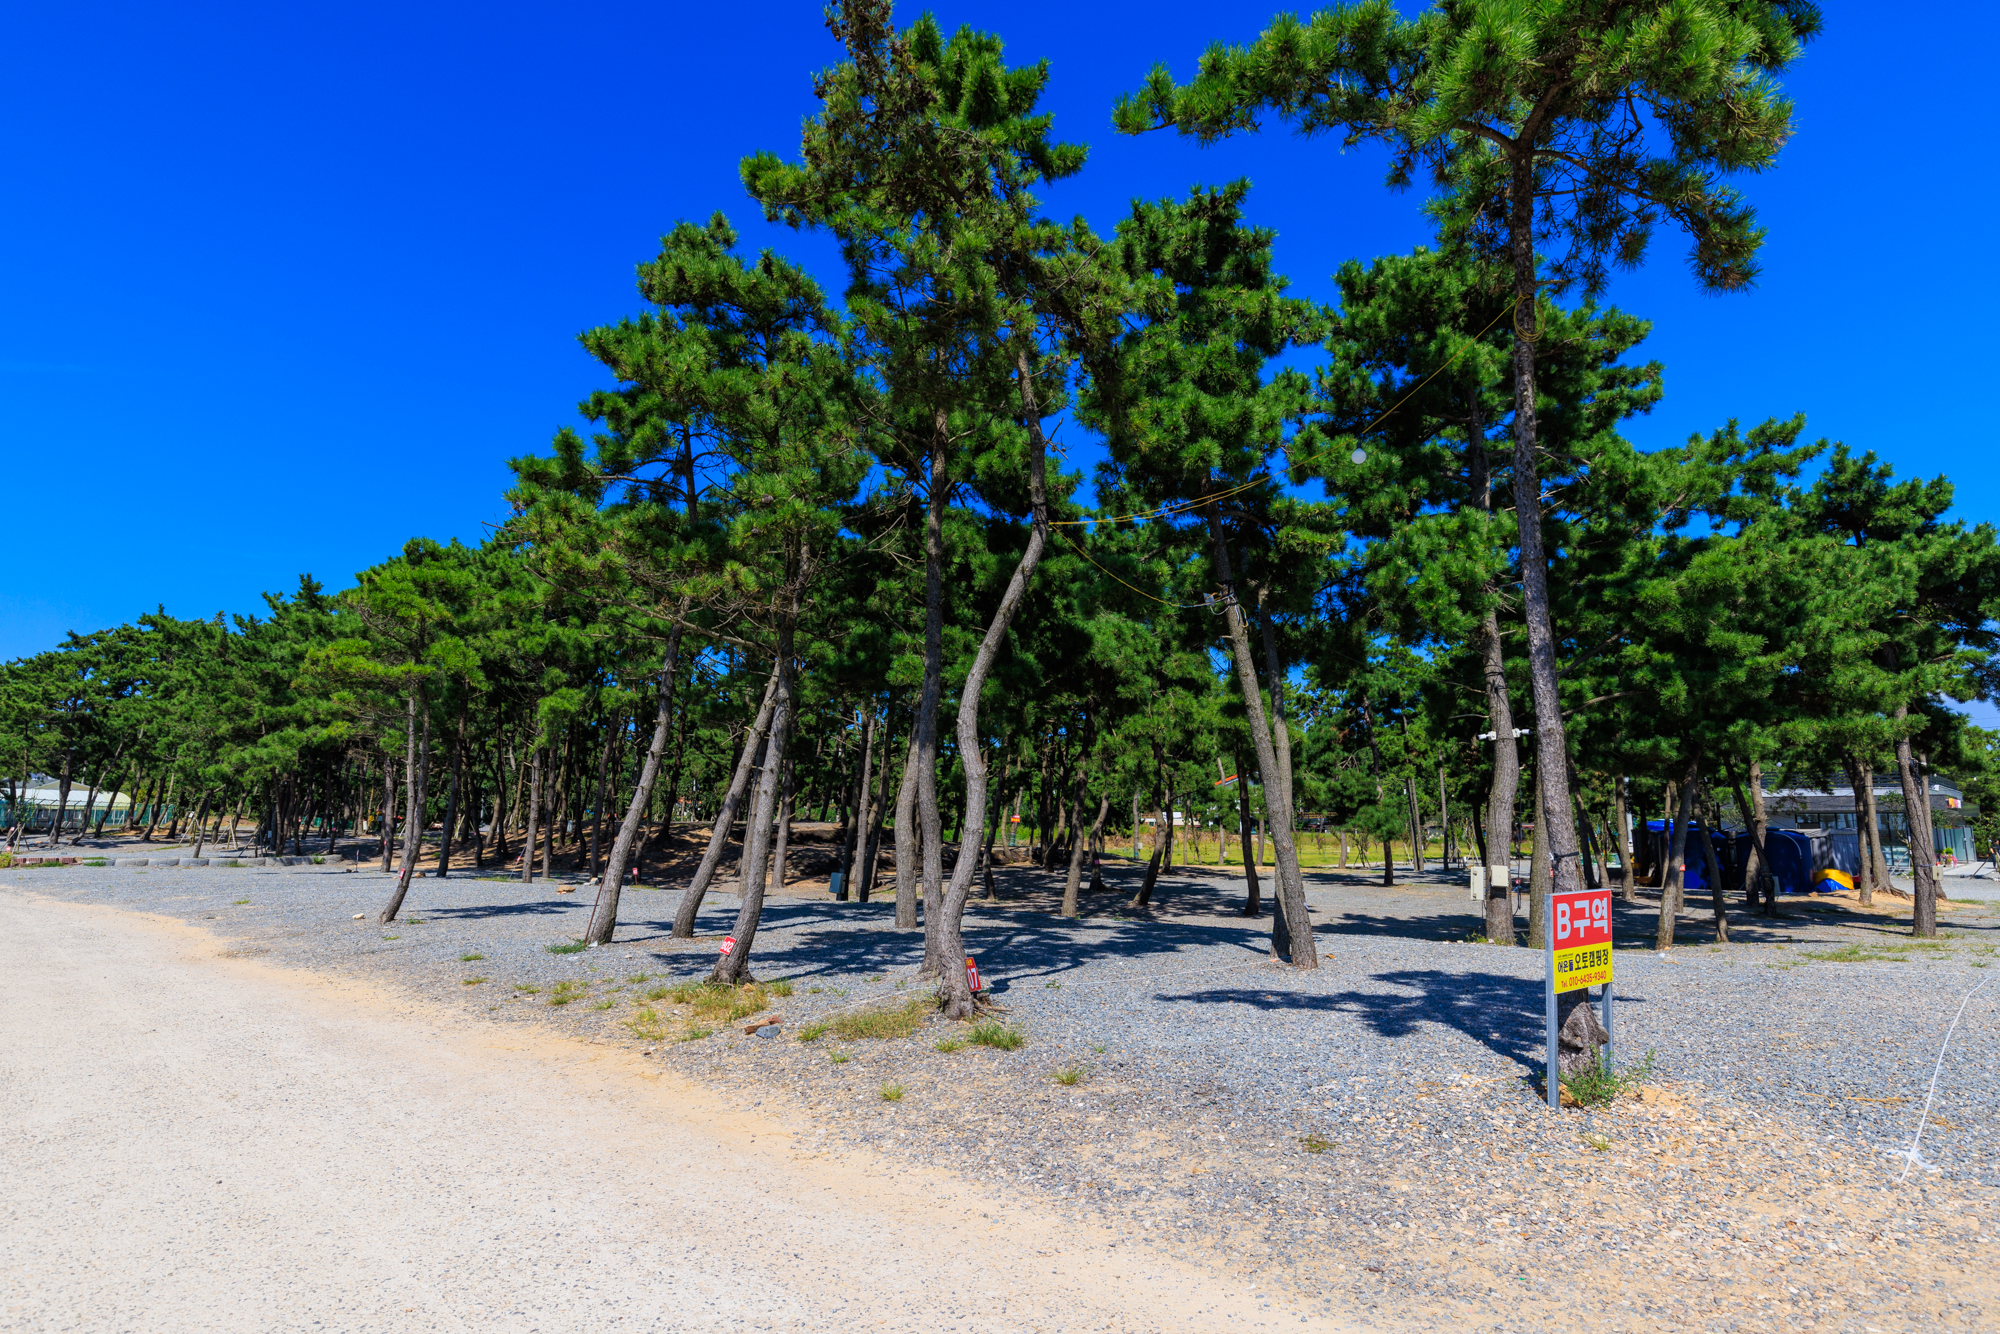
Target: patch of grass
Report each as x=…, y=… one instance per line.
x=656, y=993
x=814, y=1031
x=1315, y=1142
x=1597, y=1143
x=892, y=1093
x=647, y=1025
x=991, y=1033
x=414, y=921
x=604, y=1005
x=781, y=987
x=719, y=1003
x=471, y=981
x=392, y=937
x=237, y=903
x=1052, y=986
x=470, y=958
x=841, y=1058
x=950, y=1044
x=527, y=990
x=566, y=992
x=95, y=861
x=1597, y=1088
x=637, y=978
x=1070, y=1076
x=899, y=1022
x=574, y=947
x=814, y=991
x=1098, y=1047
x=696, y=1034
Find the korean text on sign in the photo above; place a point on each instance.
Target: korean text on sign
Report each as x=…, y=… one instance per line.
x=1582, y=939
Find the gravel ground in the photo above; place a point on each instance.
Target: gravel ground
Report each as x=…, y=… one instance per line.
x=1368, y=1138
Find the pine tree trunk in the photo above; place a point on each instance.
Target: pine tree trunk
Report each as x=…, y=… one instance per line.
x=1416, y=824
x=878, y=816
x=924, y=736
x=853, y=848
x=1253, y=901
x=1444, y=822
x=783, y=849
x=1622, y=839
x=1289, y=904
x=597, y=806
x=1916, y=816
x=1673, y=876
x=451, y=793
x=1551, y=744
x=907, y=887
x=201, y=822
x=388, y=810
x=1538, y=870
x=734, y=966
x=604, y=913
x=530, y=832
x=1073, y=882
x=954, y=990
x=1712, y=867
x=1875, y=865
x=718, y=839
x=416, y=756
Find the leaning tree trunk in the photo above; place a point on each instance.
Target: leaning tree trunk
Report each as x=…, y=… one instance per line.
x=604, y=914
x=1916, y=817
x=1673, y=877
x=718, y=838
x=734, y=966
x=62, y=801
x=532, y=818
x=954, y=989
x=1622, y=838
x=388, y=812
x=1539, y=874
x=906, y=840
x=416, y=756
x=1288, y=905
x=1282, y=922
x=201, y=821
x=1078, y=846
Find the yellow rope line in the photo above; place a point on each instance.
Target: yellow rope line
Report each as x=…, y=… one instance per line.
x=1181, y=507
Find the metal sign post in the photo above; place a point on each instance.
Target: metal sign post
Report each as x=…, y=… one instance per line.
x=1579, y=957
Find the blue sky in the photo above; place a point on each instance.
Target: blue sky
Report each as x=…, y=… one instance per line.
x=289, y=284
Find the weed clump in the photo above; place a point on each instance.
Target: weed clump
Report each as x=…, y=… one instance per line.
x=892, y=1093
x=646, y=1025
x=898, y=1022
x=566, y=992
x=1070, y=1076
x=814, y=1031
x=574, y=947
x=781, y=987
x=990, y=1033
x=1315, y=1142
x=471, y=981
x=950, y=1044
x=470, y=958
x=1597, y=1088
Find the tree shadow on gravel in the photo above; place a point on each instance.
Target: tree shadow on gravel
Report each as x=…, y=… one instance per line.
x=823, y=939
x=478, y=911
x=1503, y=1014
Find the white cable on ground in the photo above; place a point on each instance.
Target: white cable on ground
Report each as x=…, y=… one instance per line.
x=1910, y=1155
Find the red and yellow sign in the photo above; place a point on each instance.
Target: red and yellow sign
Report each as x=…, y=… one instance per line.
x=1582, y=939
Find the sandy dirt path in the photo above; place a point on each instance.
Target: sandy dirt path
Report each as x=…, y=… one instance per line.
x=197, y=1142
